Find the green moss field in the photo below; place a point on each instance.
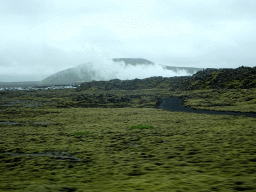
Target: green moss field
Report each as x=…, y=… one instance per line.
x=124, y=149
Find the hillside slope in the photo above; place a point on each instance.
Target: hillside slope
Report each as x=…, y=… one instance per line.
x=134, y=84
x=239, y=78
x=85, y=73
x=71, y=75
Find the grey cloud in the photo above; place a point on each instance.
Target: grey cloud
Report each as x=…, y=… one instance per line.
x=45, y=36
x=243, y=9
x=55, y=7
x=77, y=7
x=31, y=12
x=96, y=39
x=33, y=57
x=200, y=11
x=22, y=7
x=23, y=12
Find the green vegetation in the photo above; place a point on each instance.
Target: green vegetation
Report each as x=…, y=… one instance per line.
x=141, y=127
x=128, y=149
x=81, y=133
x=239, y=100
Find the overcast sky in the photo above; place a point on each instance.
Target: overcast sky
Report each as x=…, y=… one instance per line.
x=41, y=37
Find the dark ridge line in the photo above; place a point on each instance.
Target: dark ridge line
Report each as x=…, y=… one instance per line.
x=175, y=104
x=57, y=155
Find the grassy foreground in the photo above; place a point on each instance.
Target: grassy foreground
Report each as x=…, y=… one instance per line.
x=127, y=149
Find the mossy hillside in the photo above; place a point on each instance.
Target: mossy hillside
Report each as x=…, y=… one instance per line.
x=239, y=78
x=242, y=78
x=135, y=84
x=184, y=151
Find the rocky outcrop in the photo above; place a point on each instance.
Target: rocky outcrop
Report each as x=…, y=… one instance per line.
x=135, y=84
x=239, y=78
x=114, y=100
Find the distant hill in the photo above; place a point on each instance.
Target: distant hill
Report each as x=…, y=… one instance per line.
x=133, y=61
x=84, y=72
x=81, y=73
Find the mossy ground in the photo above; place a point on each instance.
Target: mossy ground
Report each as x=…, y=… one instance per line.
x=182, y=152
x=239, y=100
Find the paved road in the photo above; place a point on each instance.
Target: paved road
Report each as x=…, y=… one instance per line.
x=175, y=104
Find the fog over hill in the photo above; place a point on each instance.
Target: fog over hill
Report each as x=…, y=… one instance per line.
x=117, y=68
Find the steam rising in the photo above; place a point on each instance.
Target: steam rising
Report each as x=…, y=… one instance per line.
x=107, y=69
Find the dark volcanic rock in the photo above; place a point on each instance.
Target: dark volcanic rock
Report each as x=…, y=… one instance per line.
x=102, y=100
x=239, y=78
x=135, y=84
